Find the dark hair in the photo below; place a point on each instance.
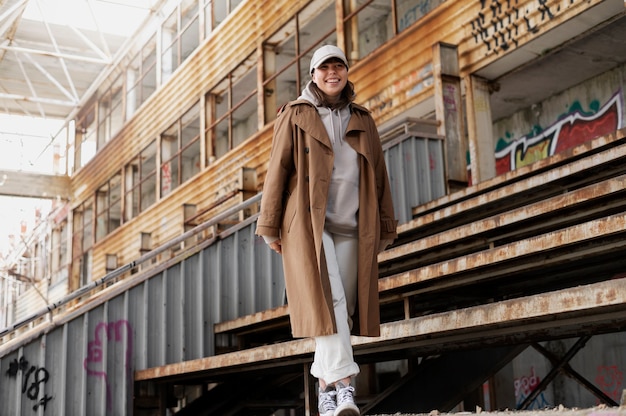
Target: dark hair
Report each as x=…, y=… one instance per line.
x=347, y=95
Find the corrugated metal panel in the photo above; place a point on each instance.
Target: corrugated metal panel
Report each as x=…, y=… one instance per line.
x=85, y=366
x=250, y=275
x=416, y=172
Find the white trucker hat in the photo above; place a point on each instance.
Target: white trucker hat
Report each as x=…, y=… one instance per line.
x=324, y=53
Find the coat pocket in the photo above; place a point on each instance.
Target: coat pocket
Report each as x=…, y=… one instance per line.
x=290, y=214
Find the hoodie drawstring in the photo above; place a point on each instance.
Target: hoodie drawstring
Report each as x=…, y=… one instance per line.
x=340, y=132
x=332, y=128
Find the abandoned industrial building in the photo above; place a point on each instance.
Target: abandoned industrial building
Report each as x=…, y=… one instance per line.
x=145, y=290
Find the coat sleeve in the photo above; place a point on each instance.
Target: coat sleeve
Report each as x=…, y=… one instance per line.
x=279, y=170
x=388, y=223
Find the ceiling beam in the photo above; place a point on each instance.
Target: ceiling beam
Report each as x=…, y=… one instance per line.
x=30, y=86
x=51, y=78
x=52, y=54
x=50, y=101
x=34, y=185
x=11, y=18
x=9, y=22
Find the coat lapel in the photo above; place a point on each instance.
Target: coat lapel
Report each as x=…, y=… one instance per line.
x=356, y=128
x=308, y=120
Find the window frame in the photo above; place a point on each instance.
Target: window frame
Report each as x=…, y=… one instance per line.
x=178, y=151
x=137, y=180
x=227, y=87
x=106, y=204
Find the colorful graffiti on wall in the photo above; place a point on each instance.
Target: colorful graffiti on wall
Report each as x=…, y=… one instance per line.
x=415, y=12
x=409, y=85
x=113, y=341
x=609, y=379
x=524, y=386
x=571, y=129
x=501, y=24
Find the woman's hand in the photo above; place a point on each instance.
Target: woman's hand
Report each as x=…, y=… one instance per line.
x=276, y=246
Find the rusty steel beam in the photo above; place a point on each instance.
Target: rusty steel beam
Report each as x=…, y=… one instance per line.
x=509, y=257
x=569, y=308
x=522, y=179
x=510, y=194
x=560, y=313
x=34, y=185
x=246, y=323
x=580, y=344
x=563, y=366
x=552, y=207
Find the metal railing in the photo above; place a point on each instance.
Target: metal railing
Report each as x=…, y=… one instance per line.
x=50, y=308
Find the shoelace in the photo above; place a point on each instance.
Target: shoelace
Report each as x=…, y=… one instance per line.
x=345, y=394
x=327, y=400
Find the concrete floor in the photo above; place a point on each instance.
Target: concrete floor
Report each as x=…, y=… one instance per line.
x=559, y=411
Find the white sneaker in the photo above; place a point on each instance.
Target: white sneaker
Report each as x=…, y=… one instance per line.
x=345, y=401
x=326, y=401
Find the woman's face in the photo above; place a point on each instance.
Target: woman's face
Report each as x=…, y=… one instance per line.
x=331, y=77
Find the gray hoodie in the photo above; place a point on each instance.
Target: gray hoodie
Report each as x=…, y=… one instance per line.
x=343, y=193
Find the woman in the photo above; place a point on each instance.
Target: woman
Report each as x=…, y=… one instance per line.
x=327, y=208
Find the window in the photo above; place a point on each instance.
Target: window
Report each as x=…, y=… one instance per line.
x=180, y=150
x=140, y=182
x=59, y=253
x=141, y=77
x=109, y=207
x=222, y=8
x=85, y=139
x=82, y=243
x=110, y=111
x=180, y=35
x=288, y=52
x=371, y=23
x=61, y=145
x=208, y=17
x=39, y=261
x=410, y=11
x=232, y=109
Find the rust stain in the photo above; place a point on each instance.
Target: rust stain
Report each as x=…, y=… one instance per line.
x=610, y=296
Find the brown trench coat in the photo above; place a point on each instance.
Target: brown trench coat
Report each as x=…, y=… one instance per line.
x=293, y=206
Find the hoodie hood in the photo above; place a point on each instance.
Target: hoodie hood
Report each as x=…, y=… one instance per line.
x=306, y=94
x=335, y=120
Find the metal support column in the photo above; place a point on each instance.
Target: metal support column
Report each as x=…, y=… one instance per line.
x=580, y=344
x=567, y=370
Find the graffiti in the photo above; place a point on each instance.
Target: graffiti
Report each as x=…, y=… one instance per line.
x=115, y=337
x=415, y=82
x=416, y=12
x=451, y=96
x=609, y=379
x=411, y=84
x=33, y=381
x=380, y=103
x=501, y=23
x=166, y=178
x=545, y=10
x=570, y=130
x=524, y=386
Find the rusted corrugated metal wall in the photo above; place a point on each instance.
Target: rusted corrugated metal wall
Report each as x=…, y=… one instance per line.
x=85, y=364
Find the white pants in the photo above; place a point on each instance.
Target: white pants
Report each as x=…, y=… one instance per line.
x=333, y=359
